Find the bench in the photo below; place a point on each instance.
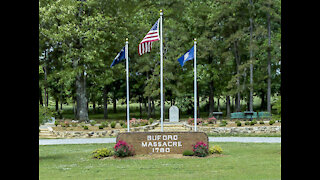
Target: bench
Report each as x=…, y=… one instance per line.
x=244, y=115
x=218, y=114
x=250, y=115
x=264, y=115
x=237, y=115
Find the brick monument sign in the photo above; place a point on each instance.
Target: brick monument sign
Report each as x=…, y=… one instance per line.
x=162, y=142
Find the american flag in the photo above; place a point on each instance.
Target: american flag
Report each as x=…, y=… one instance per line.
x=146, y=43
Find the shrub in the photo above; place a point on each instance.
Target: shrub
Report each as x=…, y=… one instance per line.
x=113, y=124
x=211, y=120
x=187, y=153
x=215, y=149
x=105, y=124
x=101, y=127
x=124, y=125
x=191, y=121
x=271, y=122
x=261, y=122
x=121, y=122
x=150, y=120
x=103, y=152
x=238, y=123
x=85, y=127
x=93, y=122
x=122, y=149
x=200, y=149
x=56, y=123
x=247, y=123
x=143, y=122
x=252, y=123
x=44, y=114
x=223, y=123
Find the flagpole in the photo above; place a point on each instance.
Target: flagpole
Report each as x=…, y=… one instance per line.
x=161, y=70
x=127, y=69
x=195, y=84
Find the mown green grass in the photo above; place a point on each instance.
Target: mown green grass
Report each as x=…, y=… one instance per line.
x=239, y=161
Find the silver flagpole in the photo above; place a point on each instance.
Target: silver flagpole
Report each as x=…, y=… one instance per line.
x=127, y=69
x=195, y=84
x=161, y=70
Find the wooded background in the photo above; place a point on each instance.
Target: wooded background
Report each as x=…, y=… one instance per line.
x=238, y=53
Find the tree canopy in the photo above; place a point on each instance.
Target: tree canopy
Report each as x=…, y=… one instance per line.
x=78, y=40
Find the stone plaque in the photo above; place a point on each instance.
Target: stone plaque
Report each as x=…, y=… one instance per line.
x=162, y=142
x=174, y=114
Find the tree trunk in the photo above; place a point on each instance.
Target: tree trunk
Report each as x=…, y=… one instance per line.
x=153, y=109
x=219, y=104
x=114, y=101
x=228, y=106
x=262, y=104
x=57, y=105
x=251, y=63
x=82, y=110
x=269, y=67
x=46, y=97
x=149, y=107
x=105, y=102
x=75, y=109
x=211, y=99
x=237, y=103
x=93, y=107
x=140, y=99
x=40, y=96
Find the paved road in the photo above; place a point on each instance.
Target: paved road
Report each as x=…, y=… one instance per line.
x=113, y=140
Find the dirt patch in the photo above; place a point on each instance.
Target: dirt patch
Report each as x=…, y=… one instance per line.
x=163, y=156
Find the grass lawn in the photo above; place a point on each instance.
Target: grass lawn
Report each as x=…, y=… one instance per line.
x=239, y=161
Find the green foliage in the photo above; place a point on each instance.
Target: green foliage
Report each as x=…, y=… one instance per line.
x=121, y=123
x=150, y=121
x=113, y=124
x=101, y=153
x=261, y=122
x=253, y=122
x=271, y=122
x=124, y=126
x=44, y=114
x=93, y=122
x=277, y=105
x=75, y=41
x=105, y=124
x=101, y=127
x=247, y=123
x=188, y=153
x=85, y=127
x=238, y=123
x=223, y=123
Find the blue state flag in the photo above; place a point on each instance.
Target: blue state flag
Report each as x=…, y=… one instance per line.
x=119, y=57
x=187, y=56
